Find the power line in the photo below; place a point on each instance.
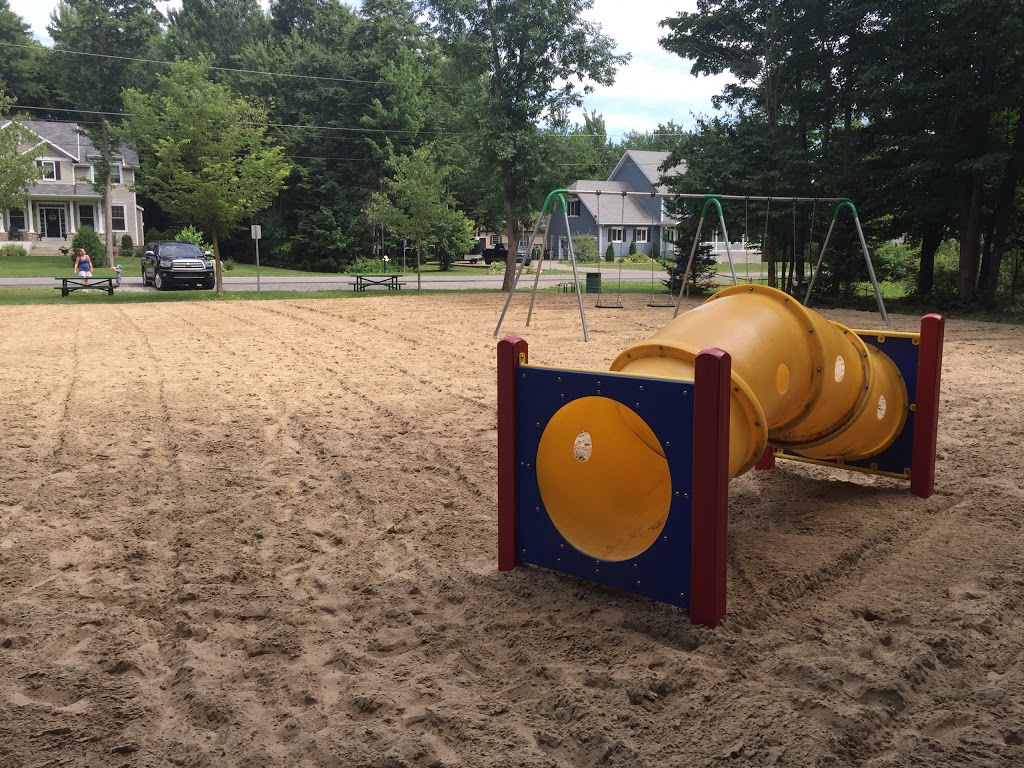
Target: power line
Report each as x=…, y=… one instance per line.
x=165, y=63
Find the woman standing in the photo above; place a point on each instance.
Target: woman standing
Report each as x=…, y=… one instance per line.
x=83, y=264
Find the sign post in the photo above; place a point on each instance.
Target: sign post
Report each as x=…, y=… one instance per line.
x=404, y=242
x=257, y=233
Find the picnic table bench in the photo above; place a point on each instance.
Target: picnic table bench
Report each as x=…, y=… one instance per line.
x=69, y=284
x=385, y=281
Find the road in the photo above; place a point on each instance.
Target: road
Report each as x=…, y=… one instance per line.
x=433, y=281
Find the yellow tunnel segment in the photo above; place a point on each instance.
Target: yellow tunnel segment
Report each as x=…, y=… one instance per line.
x=799, y=381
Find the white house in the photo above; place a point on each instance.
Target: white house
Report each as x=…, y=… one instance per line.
x=64, y=199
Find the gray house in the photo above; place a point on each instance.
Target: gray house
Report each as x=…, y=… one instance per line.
x=64, y=198
x=600, y=209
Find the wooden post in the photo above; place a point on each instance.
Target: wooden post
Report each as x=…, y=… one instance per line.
x=512, y=352
x=710, y=520
x=926, y=411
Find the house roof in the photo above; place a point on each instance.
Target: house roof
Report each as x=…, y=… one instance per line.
x=649, y=163
x=66, y=138
x=609, y=206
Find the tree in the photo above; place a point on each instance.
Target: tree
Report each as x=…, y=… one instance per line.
x=17, y=169
x=216, y=28
x=531, y=57
x=204, y=153
x=414, y=204
x=98, y=44
x=21, y=62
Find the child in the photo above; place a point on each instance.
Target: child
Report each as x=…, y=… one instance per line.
x=117, y=275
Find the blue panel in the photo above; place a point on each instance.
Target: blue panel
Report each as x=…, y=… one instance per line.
x=662, y=572
x=903, y=352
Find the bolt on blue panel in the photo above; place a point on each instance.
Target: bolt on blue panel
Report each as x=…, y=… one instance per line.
x=662, y=571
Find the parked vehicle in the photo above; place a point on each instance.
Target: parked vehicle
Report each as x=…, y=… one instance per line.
x=173, y=264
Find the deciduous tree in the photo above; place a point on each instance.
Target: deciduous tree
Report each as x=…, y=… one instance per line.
x=205, y=154
x=535, y=59
x=415, y=205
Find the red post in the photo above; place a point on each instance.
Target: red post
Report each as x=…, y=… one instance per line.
x=767, y=460
x=926, y=411
x=512, y=352
x=709, y=547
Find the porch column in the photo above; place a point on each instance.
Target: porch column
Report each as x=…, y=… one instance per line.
x=72, y=207
x=3, y=215
x=29, y=221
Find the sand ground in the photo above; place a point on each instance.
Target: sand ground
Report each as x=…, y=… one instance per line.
x=263, y=534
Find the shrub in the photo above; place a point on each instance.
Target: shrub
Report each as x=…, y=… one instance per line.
x=609, y=254
x=655, y=251
x=632, y=247
x=87, y=238
x=127, y=245
x=585, y=247
x=11, y=249
x=496, y=268
x=638, y=258
x=366, y=266
x=227, y=264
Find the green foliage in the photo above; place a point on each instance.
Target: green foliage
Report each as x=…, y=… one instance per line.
x=17, y=170
x=632, y=247
x=511, y=86
x=585, y=248
x=414, y=204
x=609, y=253
x=194, y=235
x=655, y=251
x=12, y=250
x=366, y=266
x=227, y=264
x=638, y=258
x=87, y=238
x=205, y=154
x=895, y=262
x=127, y=244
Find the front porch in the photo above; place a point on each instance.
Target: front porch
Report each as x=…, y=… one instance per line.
x=43, y=226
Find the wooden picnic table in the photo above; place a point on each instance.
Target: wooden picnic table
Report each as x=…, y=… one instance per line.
x=69, y=284
x=384, y=281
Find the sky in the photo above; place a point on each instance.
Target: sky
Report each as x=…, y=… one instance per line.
x=653, y=88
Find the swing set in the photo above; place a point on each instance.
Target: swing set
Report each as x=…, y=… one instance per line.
x=558, y=197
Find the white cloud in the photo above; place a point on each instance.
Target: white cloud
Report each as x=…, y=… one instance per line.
x=655, y=86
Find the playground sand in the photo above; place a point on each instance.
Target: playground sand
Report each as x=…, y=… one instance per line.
x=263, y=534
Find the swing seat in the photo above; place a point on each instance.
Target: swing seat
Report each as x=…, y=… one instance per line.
x=601, y=305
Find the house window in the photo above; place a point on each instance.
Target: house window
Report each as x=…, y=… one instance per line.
x=115, y=174
x=574, y=207
x=615, y=234
x=670, y=234
x=495, y=240
x=117, y=222
x=640, y=234
x=50, y=169
x=86, y=216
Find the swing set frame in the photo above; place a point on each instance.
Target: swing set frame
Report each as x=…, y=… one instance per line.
x=559, y=196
